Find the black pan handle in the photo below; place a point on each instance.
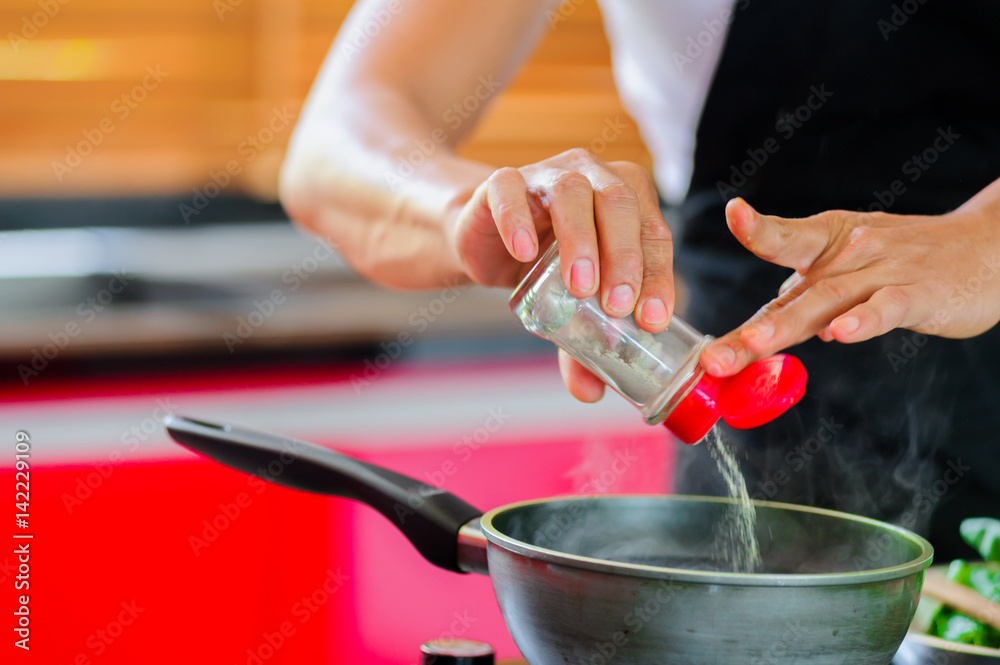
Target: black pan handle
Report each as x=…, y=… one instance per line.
x=428, y=516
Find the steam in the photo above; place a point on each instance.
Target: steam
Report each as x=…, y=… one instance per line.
x=868, y=446
x=678, y=533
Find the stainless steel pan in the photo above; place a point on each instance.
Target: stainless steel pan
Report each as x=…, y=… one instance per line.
x=631, y=579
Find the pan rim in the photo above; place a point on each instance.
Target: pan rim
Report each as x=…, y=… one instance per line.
x=681, y=575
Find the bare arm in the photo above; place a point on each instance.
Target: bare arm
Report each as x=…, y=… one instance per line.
x=372, y=163
x=372, y=166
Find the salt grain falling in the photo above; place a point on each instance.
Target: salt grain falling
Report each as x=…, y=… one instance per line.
x=736, y=532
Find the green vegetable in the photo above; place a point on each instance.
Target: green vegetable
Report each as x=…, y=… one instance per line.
x=927, y=612
x=958, y=571
x=983, y=533
x=985, y=578
x=956, y=627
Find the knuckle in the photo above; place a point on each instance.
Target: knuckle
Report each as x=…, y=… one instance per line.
x=656, y=272
x=506, y=209
x=505, y=175
x=579, y=155
x=837, y=224
x=618, y=195
x=879, y=218
x=896, y=298
x=832, y=291
x=629, y=261
x=655, y=231
x=784, y=233
x=570, y=182
x=860, y=235
x=864, y=244
x=632, y=171
x=837, y=218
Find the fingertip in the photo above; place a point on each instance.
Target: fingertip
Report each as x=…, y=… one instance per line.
x=582, y=278
x=581, y=384
x=524, y=244
x=845, y=328
x=653, y=314
x=620, y=300
x=586, y=391
x=718, y=359
x=739, y=212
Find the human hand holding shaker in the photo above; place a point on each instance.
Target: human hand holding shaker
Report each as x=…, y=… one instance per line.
x=657, y=372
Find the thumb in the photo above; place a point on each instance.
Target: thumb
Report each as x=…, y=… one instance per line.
x=792, y=243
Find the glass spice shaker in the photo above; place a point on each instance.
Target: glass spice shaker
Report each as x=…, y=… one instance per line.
x=659, y=373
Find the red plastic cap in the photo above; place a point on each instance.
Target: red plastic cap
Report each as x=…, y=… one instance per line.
x=691, y=420
x=763, y=391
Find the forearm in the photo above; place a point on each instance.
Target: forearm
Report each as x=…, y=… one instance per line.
x=369, y=171
x=986, y=202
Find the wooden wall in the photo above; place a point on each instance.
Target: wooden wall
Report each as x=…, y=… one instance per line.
x=82, y=114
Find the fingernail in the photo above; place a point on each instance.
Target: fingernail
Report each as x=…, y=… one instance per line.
x=848, y=324
x=720, y=356
x=581, y=274
x=524, y=246
x=788, y=283
x=654, y=312
x=621, y=299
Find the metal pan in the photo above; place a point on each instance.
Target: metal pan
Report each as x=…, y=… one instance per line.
x=631, y=579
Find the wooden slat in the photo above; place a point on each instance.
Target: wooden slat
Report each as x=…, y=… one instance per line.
x=227, y=74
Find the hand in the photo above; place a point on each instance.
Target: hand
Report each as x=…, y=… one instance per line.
x=859, y=275
x=612, y=239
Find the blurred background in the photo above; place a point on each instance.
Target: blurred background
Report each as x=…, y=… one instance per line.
x=150, y=136
x=146, y=268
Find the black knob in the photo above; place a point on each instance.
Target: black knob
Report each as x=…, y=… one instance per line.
x=456, y=652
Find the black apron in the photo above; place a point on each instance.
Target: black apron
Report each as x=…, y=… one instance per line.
x=859, y=105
